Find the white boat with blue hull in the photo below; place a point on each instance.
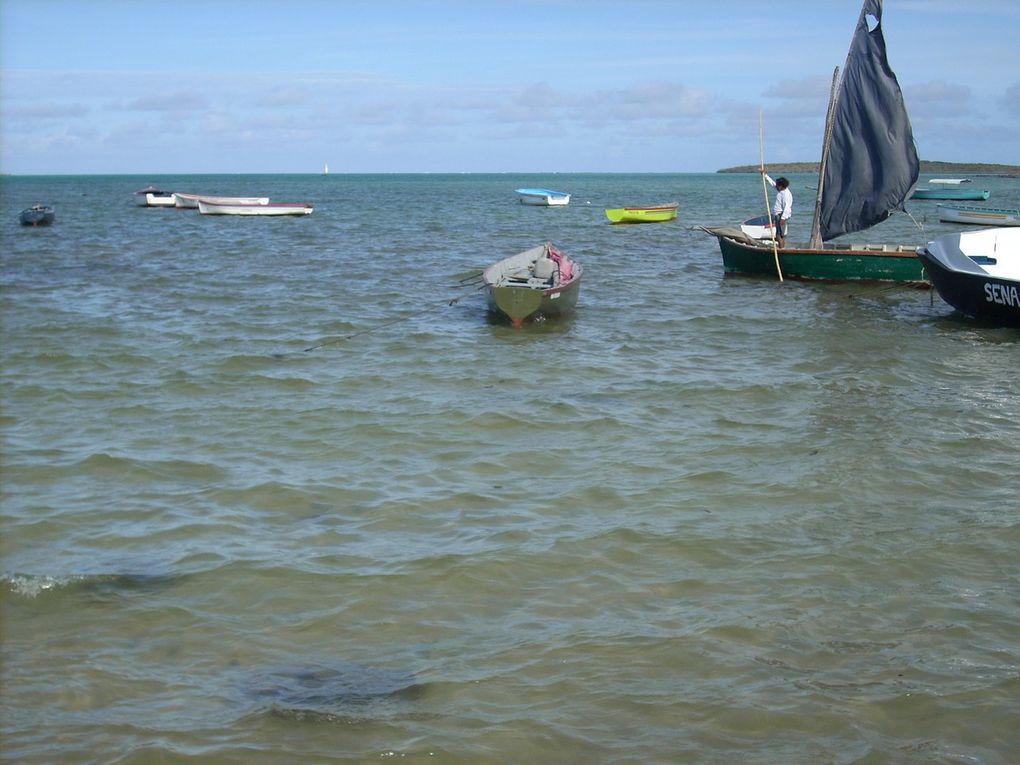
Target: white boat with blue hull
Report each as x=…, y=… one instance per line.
x=543, y=197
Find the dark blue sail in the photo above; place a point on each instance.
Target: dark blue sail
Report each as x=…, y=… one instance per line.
x=872, y=162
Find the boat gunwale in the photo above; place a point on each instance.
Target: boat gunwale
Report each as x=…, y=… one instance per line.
x=829, y=248
x=649, y=208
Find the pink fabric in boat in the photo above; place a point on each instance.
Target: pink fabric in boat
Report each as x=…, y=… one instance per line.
x=566, y=265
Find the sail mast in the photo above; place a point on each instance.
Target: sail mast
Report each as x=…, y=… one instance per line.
x=872, y=161
x=830, y=117
x=816, y=221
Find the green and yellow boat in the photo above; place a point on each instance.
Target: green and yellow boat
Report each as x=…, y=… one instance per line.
x=654, y=214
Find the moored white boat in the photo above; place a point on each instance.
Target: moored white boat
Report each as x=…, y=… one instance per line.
x=151, y=196
x=543, y=197
x=280, y=208
x=981, y=216
x=191, y=201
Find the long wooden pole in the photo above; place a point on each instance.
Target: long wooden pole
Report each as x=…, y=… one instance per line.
x=765, y=191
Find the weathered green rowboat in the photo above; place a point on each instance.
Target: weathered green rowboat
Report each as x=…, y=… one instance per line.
x=541, y=281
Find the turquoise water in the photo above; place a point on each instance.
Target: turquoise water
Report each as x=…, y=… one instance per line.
x=704, y=520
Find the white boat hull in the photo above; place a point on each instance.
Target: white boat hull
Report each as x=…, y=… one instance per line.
x=981, y=216
x=540, y=197
x=759, y=228
x=158, y=200
x=190, y=201
x=208, y=208
x=544, y=200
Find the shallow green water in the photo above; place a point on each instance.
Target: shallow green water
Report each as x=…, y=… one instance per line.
x=704, y=520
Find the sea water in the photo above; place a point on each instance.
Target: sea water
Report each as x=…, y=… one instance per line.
x=278, y=490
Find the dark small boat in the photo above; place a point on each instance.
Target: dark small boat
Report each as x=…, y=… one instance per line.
x=541, y=281
x=37, y=215
x=977, y=273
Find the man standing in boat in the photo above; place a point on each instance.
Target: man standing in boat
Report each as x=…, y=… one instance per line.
x=782, y=208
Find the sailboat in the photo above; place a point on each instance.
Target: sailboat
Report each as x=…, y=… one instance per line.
x=869, y=165
x=325, y=168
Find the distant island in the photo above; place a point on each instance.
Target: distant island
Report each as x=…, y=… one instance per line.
x=927, y=166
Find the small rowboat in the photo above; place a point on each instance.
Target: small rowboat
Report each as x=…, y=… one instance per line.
x=155, y=197
x=982, y=216
x=543, y=197
x=654, y=214
x=281, y=208
x=759, y=228
x=37, y=215
x=541, y=281
x=190, y=201
x=977, y=273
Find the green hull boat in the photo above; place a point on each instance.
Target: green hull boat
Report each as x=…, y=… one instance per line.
x=541, y=281
x=833, y=263
x=869, y=165
x=655, y=214
x=951, y=194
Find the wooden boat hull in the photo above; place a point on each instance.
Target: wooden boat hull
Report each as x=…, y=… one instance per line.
x=833, y=263
x=37, y=215
x=655, y=214
x=980, y=216
x=977, y=273
x=543, y=197
x=190, y=201
x=207, y=208
x=950, y=194
x=516, y=293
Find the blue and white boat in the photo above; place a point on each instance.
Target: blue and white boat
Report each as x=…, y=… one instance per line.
x=543, y=197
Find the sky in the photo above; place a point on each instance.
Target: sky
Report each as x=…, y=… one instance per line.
x=520, y=86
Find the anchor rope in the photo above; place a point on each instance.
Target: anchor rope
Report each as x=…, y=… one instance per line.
x=474, y=282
